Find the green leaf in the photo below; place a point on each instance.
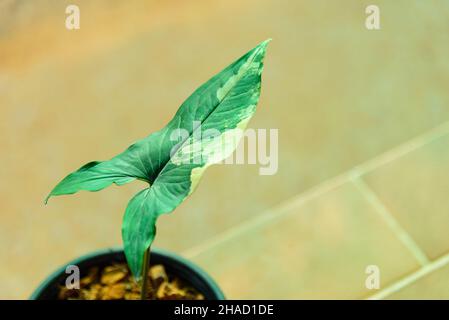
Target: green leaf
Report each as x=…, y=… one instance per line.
x=212, y=120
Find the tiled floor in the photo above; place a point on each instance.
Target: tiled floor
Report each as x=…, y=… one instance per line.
x=316, y=249
x=320, y=242
x=363, y=140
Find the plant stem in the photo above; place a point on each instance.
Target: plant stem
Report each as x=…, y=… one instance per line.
x=145, y=268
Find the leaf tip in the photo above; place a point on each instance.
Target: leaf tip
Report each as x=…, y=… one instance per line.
x=265, y=43
x=261, y=48
x=46, y=199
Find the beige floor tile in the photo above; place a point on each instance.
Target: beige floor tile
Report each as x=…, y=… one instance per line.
x=433, y=286
x=319, y=250
x=414, y=188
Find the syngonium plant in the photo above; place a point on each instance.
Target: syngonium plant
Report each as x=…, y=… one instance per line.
x=225, y=104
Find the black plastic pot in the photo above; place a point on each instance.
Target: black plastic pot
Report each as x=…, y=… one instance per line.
x=174, y=264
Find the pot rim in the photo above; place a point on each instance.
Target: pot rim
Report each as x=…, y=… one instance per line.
x=189, y=264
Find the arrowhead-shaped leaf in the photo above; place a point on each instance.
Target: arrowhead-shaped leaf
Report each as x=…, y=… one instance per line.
x=223, y=105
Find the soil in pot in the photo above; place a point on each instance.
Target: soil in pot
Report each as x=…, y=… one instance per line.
x=115, y=282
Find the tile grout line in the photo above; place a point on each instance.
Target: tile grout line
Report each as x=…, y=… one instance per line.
x=403, y=149
x=407, y=280
x=281, y=209
x=392, y=223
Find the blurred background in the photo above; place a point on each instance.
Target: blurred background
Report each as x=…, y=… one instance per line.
x=363, y=140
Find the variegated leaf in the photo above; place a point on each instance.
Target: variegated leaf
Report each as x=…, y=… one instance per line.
x=222, y=106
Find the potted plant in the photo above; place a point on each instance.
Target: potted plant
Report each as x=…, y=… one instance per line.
x=205, y=130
